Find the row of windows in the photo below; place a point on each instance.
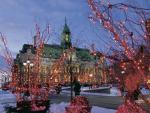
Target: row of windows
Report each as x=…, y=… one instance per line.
x=75, y=69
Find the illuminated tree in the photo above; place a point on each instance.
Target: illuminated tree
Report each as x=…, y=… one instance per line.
x=126, y=31
x=33, y=86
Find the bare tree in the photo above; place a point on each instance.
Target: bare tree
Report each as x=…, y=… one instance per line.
x=128, y=29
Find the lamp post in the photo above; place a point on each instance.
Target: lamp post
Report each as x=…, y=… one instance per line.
x=72, y=70
x=71, y=77
x=28, y=64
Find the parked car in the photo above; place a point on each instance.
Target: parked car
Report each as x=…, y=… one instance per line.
x=7, y=99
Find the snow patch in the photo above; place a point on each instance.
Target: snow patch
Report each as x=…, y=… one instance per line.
x=60, y=108
x=2, y=109
x=145, y=91
x=96, y=109
x=114, y=91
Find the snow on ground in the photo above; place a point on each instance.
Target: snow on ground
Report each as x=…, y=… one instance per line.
x=2, y=110
x=7, y=98
x=87, y=88
x=60, y=108
x=114, y=91
x=96, y=109
x=145, y=91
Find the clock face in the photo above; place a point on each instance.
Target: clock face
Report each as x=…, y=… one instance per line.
x=67, y=37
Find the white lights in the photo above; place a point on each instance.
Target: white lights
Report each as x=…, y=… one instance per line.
x=24, y=63
x=91, y=75
x=122, y=72
x=56, y=80
x=31, y=64
x=28, y=63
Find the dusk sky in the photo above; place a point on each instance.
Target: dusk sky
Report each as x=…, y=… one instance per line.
x=18, y=19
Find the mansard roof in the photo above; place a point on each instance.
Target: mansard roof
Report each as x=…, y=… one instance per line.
x=55, y=51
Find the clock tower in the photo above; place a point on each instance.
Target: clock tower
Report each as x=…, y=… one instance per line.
x=66, y=37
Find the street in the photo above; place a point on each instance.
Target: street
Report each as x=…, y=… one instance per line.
x=111, y=102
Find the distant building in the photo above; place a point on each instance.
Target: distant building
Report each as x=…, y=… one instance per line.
x=86, y=67
x=4, y=78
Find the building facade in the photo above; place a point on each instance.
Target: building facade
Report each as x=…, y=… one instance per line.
x=4, y=78
x=55, y=62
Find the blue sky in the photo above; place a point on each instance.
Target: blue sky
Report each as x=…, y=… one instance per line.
x=18, y=19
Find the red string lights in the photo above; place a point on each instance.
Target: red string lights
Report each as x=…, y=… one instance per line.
x=79, y=104
x=126, y=24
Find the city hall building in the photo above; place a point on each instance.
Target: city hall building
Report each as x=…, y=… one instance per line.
x=87, y=68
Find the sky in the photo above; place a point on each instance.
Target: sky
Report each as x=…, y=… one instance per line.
x=19, y=17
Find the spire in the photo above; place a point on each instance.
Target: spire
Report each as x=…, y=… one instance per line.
x=66, y=28
x=65, y=20
x=66, y=36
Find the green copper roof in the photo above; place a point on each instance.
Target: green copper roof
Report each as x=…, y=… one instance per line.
x=52, y=51
x=66, y=28
x=84, y=54
x=55, y=51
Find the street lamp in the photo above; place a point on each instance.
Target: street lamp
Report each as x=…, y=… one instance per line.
x=28, y=64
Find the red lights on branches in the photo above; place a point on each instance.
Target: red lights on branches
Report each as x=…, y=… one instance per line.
x=126, y=38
